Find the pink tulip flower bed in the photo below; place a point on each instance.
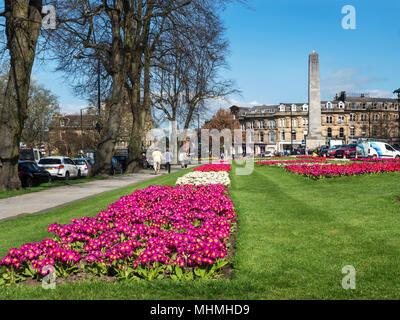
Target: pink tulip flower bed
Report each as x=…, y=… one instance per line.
x=156, y=233
x=214, y=167
x=310, y=157
x=375, y=160
x=272, y=163
x=318, y=171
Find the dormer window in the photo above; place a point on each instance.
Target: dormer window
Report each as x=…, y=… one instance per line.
x=282, y=108
x=305, y=107
x=329, y=105
x=294, y=108
x=341, y=105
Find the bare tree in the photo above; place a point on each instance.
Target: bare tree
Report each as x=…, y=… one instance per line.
x=23, y=24
x=118, y=34
x=187, y=74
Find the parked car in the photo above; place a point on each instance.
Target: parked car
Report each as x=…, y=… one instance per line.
x=348, y=151
x=331, y=151
x=267, y=154
x=84, y=165
x=123, y=160
x=298, y=151
x=31, y=174
x=323, y=151
x=60, y=167
x=376, y=149
x=116, y=167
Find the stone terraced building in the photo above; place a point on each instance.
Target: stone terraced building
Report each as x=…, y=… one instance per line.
x=344, y=118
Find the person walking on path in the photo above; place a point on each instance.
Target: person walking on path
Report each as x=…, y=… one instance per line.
x=168, y=159
x=157, y=161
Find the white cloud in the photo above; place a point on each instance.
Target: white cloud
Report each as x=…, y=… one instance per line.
x=351, y=81
x=71, y=108
x=376, y=93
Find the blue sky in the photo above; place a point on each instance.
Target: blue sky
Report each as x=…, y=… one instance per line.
x=270, y=43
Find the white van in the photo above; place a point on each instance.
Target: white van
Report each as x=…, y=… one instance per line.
x=29, y=154
x=376, y=149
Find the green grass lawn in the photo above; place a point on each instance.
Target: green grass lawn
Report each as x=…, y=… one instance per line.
x=295, y=236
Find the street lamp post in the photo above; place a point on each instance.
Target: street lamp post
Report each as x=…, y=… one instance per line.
x=291, y=129
x=99, y=125
x=86, y=108
x=398, y=109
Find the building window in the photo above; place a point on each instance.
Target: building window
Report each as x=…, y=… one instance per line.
x=282, y=123
x=329, y=132
x=341, y=105
x=283, y=136
x=386, y=132
x=261, y=136
x=341, y=120
x=271, y=137
x=305, y=107
x=294, y=136
x=271, y=124
x=374, y=130
x=329, y=119
x=294, y=123
x=252, y=125
x=294, y=108
x=329, y=105
x=353, y=106
x=341, y=133
x=353, y=117
x=364, y=131
x=282, y=108
x=243, y=127
x=305, y=122
x=352, y=131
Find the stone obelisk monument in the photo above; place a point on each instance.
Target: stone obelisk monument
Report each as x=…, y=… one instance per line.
x=314, y=138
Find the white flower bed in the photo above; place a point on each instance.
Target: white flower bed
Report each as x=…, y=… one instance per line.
x=205, y=178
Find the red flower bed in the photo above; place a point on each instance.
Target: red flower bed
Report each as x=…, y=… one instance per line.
x=271, y=163
x=335, y=170
x=153, y=233
x=214, y=167
x=375, y=160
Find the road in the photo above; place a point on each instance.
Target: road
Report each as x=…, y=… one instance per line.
x=38, y=202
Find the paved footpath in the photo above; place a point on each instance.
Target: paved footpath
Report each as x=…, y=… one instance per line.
x=42, y=201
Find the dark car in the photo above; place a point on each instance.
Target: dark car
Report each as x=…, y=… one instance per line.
x=331, y=151
x=298, y=151
x=323, y=151
x=123, y=160
x=31, y=174
x=346, y=151
x=116, y=167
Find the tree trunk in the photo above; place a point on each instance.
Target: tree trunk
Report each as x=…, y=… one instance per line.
x=23, y=23
x=108, y=140
x=138, y=122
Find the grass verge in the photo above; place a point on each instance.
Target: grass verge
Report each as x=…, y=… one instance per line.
x=295, y=236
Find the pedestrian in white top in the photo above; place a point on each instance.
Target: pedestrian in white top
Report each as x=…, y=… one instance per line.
x=157, y=161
